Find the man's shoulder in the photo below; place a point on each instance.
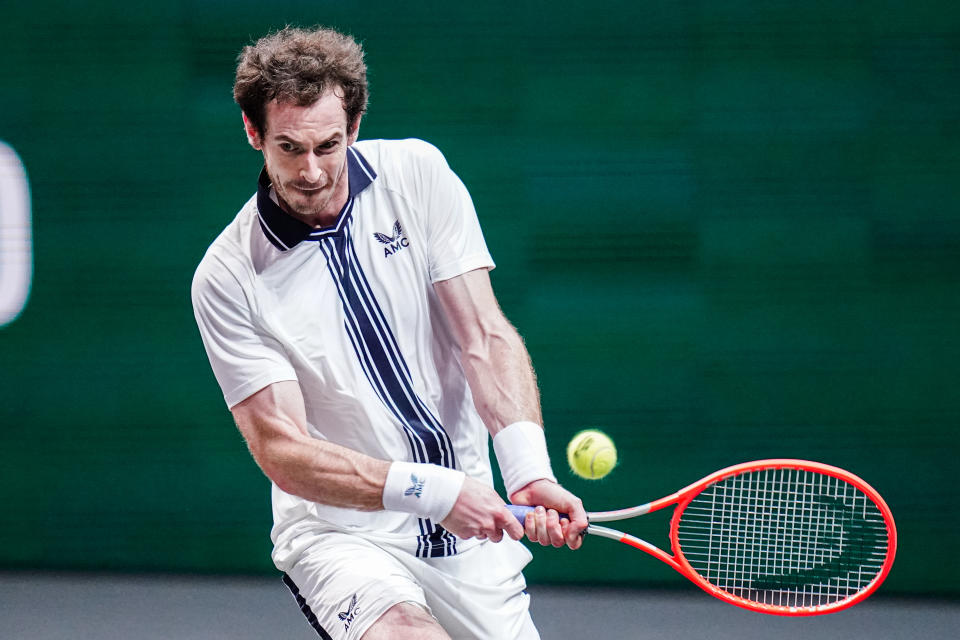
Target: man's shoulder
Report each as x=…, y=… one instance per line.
x=406, y=146
x=400, y=156
x=229, y=253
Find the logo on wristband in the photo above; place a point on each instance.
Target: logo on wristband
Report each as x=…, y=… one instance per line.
x=416, y=489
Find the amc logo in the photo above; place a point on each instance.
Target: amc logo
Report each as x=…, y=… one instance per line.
x=16, y=247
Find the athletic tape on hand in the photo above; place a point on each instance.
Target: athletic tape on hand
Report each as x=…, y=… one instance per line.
x=425, y=490
x=521, y=450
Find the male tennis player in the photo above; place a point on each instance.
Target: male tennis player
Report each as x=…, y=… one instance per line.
x=348, y=316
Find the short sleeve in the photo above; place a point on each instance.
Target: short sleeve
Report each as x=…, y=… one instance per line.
x=243, y=357
x=454, y=238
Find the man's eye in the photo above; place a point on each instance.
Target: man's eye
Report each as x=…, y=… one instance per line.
x=287, y=146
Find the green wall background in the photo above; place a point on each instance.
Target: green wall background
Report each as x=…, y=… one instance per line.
x=727, y=230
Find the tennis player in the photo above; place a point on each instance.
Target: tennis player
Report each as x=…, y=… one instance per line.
x=349, y=319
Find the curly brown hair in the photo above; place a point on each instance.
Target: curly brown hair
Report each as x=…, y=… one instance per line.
x=296, y=66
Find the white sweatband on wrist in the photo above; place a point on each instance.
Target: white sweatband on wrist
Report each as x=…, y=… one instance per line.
x=521, y=450
x=425, y=490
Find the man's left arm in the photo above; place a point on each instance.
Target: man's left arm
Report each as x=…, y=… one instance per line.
x=504, y=388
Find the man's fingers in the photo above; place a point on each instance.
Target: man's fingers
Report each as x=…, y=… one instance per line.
x=510, y=524
x=514, y=529
x=543, y=526
x=530, y=526
x=554, y=530
x=540, y=514
x=572, y=534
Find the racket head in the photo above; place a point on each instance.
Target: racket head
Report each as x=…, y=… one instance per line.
x=785, y=537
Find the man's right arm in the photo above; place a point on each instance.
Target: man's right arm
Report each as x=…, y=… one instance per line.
x=273, y=423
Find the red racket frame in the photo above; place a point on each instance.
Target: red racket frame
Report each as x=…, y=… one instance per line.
x=683, y=498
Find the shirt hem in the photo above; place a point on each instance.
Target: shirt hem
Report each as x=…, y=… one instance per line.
x=460, y=267
x=247, y=389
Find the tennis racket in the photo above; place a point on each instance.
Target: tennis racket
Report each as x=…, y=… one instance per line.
x=785, y=537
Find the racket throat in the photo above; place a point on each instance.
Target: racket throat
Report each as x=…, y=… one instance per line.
x=636, y=543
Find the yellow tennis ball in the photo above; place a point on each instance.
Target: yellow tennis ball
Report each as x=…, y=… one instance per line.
x=591, y=454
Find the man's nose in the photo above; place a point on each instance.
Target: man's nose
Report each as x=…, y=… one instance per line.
x=311, y=171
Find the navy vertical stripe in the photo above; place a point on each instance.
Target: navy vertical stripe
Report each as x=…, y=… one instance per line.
x=381, y=357
x=376, y=364
x=420, y=407
x=305, y=608
x=386, y=369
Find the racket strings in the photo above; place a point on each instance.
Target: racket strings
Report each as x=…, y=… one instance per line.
x=784, y=537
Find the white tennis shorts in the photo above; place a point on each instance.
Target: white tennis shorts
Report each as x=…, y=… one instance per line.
x=344, y=583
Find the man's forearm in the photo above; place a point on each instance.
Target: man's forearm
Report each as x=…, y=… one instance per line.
x=273, y=423
x=324, y=472
x=501, y=378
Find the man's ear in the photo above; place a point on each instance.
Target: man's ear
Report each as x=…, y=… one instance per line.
x=253, y=135
x=353, y=132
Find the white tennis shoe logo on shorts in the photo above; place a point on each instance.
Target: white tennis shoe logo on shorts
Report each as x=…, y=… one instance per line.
x=395, y=242
x=352, y=612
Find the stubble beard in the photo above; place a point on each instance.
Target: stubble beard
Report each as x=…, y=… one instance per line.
x=310, y=209
x=303, y=206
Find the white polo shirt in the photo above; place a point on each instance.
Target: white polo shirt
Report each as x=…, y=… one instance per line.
x=350, y=313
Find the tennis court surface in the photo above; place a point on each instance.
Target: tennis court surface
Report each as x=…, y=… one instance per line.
x=79, y=606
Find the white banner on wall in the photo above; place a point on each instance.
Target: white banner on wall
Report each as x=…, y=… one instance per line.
x=16, y=244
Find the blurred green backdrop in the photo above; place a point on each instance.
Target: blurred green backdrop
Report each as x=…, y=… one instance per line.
x=727, y=230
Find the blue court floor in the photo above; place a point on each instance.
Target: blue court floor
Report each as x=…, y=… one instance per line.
x=81, y=607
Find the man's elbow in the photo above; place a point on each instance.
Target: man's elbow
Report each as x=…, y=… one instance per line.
x=276, y=459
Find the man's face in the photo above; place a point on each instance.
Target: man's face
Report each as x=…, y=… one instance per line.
x=305, y=152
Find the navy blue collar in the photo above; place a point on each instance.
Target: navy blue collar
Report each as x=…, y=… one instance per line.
x=284, y=231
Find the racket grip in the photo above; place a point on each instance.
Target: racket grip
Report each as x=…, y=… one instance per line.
x=520, y=511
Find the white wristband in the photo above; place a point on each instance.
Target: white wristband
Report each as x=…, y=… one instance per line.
x=425, y=490
x=521, y=450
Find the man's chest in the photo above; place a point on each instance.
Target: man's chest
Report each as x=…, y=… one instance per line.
x=341, y=293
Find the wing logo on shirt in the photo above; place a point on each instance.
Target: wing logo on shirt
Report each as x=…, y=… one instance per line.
x=395, y=242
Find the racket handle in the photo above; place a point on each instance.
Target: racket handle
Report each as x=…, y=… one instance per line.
x=520, y=511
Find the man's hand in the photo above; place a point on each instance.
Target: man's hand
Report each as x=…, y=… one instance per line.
x=480, y=512
x=543, y=524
